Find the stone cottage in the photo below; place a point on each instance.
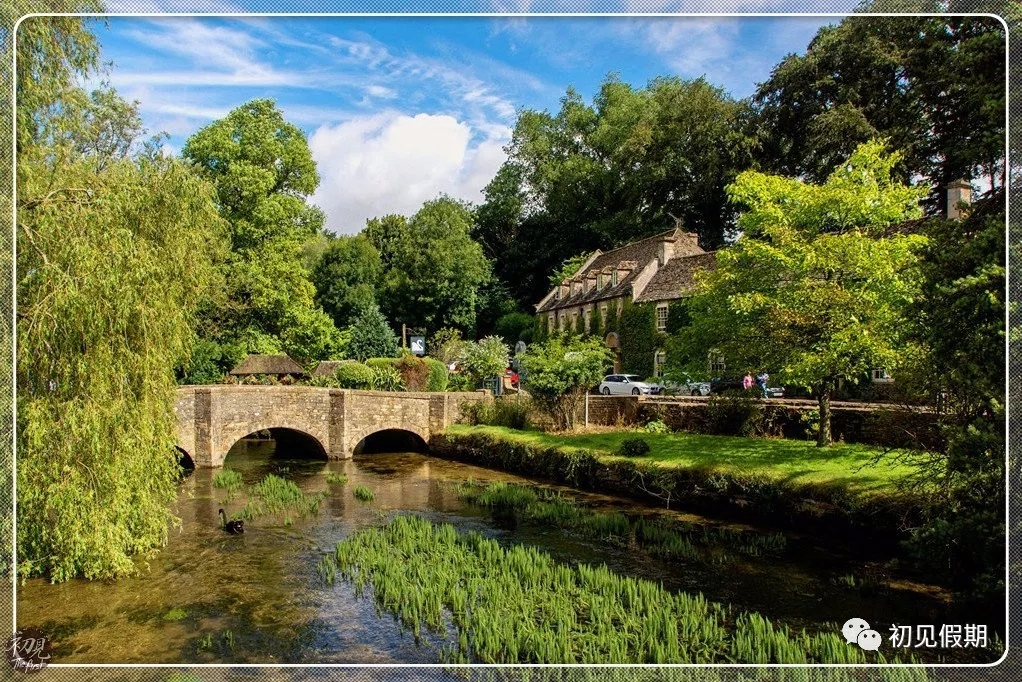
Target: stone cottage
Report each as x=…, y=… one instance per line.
x=655, y=271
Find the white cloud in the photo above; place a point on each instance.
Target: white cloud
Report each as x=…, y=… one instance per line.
x=392, y=163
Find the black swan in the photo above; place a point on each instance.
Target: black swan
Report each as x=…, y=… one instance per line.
x=232, y=527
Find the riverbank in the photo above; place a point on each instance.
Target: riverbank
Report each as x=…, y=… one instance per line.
x=843, y=489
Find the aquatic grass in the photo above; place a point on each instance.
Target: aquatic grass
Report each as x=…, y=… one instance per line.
x=363, y=493
x=526, y=503
x=336, y=479
x=518, y=605
x=277, y=495
x=228, y=480
x=175, y=614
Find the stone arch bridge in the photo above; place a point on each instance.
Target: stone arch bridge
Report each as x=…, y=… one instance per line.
x=211, y=419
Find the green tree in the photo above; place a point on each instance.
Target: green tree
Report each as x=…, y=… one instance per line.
x=263, y=172
x=446, y=345
x=817, y=287
x=114, y=253
x=515, y=327
x=959, y=321
x=933, y=86
x=346, y=278
x=435, y=268
x=371, y=336
x=484, y=359
x=559, y=373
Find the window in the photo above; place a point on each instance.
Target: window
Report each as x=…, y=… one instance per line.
x=717, y=365
x=603, y=315
x=880, y=376
x=574, y=320
x=586, y=315
x=551, y=321
x=563, y=321
x=659, y=360
x=599, y=281
x=661, y=317
x=613, y=278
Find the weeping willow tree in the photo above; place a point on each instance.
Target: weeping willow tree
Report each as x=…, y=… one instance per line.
x=115, y=249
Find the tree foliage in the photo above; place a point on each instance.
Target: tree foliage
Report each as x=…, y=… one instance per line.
x=817, y=288
x=432, y=267
x=560, y=371
x=346, y=277
x=114, y=253
x=933, y=86
x=263, y=172
x=484, y=359
x=371, y=336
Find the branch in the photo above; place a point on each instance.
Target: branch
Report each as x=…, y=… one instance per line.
x=33, y=203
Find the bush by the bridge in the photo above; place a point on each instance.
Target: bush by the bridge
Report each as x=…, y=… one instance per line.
x=437, y=375
x=414, y=372
x=354, y=375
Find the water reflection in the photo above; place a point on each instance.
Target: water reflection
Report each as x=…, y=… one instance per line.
x=212, y=597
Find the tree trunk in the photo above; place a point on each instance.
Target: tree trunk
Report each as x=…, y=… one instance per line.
x=823, y=438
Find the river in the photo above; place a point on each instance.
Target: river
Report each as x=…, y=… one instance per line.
x=257, y=598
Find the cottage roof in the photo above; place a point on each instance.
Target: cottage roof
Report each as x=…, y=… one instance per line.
x=328, y=367
x=637, y=254
x=268, y=364
x=676, y=278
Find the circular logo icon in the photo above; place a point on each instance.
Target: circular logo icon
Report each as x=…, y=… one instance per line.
x=28, y=650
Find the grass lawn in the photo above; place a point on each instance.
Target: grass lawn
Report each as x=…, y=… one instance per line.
x=791, y=461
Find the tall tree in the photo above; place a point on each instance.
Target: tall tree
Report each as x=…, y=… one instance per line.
x=818, y=285
x=346, y=278
x=433, y=268
x=263, y=172
x=114, y=253
x=933, y=86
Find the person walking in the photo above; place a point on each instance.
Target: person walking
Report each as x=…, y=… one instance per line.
x=747, y=381
x=761, y=382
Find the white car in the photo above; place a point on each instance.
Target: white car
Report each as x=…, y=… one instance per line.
x=624, y=384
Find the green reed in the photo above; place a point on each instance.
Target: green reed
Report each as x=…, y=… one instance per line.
x=363, y=493
x=675, y=541
x=229, y=480
x=518, y=605
x=336, y=479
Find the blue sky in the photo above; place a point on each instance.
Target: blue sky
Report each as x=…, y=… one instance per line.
x=400, y=109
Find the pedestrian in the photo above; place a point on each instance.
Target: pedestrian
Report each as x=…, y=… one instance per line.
x=747, y=381
x=761, y=382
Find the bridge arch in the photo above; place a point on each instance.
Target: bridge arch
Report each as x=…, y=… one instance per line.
x=281, y=432
x=391, y=440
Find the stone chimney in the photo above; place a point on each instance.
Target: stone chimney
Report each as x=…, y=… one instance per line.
x=959, y=195
x=664, y=251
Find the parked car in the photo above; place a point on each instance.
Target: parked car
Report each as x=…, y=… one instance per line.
x=684, y=388
x=624, y=384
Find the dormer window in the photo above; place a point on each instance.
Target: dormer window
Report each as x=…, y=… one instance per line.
x=599, y=281
x=613, y=279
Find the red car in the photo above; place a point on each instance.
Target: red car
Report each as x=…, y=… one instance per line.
x=512, y=375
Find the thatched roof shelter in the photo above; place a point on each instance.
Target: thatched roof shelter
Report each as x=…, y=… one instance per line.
x=328, y=367
x=280, y=365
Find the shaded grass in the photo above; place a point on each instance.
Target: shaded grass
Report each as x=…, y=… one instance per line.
x=849, y=466
x=519, y=605
x=363, y=493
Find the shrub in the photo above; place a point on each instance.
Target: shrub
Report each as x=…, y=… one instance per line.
x=513, y=413
x=657, y=426
x=354, y=375
x=437, y=380
x=734, y=414
x=459, y=382
x=484, y=359
x=371, y=336
x=633, y=447
x=514, y=327
x=414, y=372
x=386, y=378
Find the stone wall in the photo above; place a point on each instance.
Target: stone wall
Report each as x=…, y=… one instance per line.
x=879, y=426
